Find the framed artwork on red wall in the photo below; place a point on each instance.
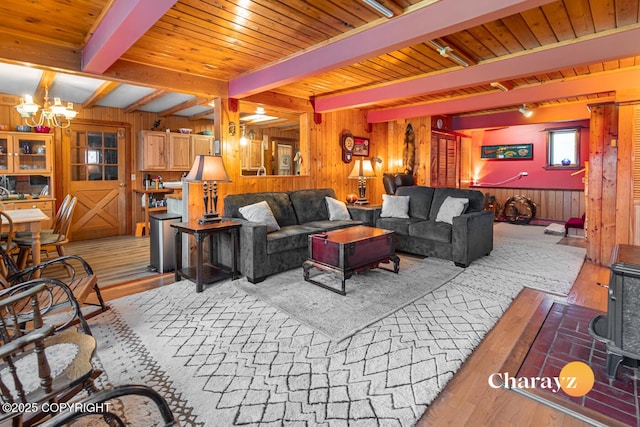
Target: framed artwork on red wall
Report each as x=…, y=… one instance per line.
x=507, y=152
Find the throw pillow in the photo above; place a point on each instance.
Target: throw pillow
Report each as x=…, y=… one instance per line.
x=260, y=212
x=452, y=206
x=395, y=206
x=337, y=210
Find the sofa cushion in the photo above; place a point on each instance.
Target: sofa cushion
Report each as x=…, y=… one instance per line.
x=331, y=225
x=420, y=203
x=399, y=225
x=288, y=238
x=431, y=230
x=279, y=203
x=260, y=212
x=337, y=210
x=310, y=205
x=476, y=199
x=395, y=206
x=452, y=206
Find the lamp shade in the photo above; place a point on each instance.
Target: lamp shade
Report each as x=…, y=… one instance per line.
x=208, y=168
x=362, y=169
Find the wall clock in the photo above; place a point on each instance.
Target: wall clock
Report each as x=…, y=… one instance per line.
x=347, y=144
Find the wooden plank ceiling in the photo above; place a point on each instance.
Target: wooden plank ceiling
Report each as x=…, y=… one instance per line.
x=206, y=46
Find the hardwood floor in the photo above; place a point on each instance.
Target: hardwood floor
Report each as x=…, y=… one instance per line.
x=120, y=264
x=467, y=400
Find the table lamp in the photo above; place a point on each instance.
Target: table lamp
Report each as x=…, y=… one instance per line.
x=362, y=170
x=206, y=169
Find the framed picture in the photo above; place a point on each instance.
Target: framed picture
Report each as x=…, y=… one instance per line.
x=361, y=146
x=507, y=152
x=285, y=161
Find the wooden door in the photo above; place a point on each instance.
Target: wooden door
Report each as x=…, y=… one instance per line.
x=95, y=171
x=445, y=170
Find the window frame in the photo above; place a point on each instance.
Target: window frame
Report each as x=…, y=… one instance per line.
x=550, y=142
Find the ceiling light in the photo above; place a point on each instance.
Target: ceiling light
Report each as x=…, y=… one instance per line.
x=505, y=87
x=526, y=112
x=447, y=52
x=380, y=8
x=56, y=115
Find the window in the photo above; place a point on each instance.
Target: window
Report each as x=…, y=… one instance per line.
x=563, y=148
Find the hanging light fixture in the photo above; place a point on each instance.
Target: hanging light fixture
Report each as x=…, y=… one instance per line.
x=526, y=112
x=54, y=115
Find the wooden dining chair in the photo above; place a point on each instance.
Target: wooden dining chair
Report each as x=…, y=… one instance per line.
x=44, y=357
x=49, y=242
x=55, y=224
x=6, y=242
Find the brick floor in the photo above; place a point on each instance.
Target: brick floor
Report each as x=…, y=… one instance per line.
x=564, y=338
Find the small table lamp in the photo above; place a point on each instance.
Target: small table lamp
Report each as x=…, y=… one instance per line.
x=207, y=169
x=362, y=170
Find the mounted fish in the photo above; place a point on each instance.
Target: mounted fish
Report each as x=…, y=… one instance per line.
x=409, y=154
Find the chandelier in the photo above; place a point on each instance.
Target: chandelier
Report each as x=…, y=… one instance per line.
x=55, y=115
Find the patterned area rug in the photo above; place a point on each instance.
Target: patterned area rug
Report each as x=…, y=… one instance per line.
x=226, y=357
x=371, y=295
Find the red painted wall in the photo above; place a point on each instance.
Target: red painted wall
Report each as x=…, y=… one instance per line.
x=488, y=172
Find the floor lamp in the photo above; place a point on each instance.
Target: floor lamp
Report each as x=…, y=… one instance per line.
x=362, y=170
x=208, y=169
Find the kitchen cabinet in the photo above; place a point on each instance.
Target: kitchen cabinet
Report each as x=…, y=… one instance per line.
x=252, y=155
x=201, y=144
x=24, y=153
x=164, y=151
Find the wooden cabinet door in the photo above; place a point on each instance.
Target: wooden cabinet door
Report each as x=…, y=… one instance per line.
x=179, y=152
x=201, y=144
x=152, y=151
x=32, y=153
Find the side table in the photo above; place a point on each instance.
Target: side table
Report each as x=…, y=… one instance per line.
x=205, y=273
x=368, y=214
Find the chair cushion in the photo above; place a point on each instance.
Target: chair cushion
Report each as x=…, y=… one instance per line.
x=45, y=239
x=260, y=212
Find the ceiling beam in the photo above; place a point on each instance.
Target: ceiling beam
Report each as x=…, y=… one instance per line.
x=623, y=79
x=406, y=30
x=143, y=101
x=97, y=95
x=196, y=100
x=565, y=112
x=282, y=101
x=605, y=46
x=171, y=80
x=124, y=23
x=203, y=115
x=21, y=49
x=46, y=79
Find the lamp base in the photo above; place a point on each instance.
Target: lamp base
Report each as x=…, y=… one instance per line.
x=209, y=218
x=361, y=201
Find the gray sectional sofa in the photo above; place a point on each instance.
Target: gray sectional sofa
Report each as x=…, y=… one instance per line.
x=298, y=213
x=304, y=212
x=469, y=237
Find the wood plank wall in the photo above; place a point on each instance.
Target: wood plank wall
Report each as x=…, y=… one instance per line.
x=555, y=205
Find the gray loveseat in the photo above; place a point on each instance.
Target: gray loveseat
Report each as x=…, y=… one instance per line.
x=467, y=239
x=299, y=214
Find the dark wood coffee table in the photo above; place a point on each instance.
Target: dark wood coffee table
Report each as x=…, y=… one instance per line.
x=350, y=250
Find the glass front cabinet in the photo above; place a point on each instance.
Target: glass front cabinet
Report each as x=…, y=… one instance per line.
x=25, y=153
